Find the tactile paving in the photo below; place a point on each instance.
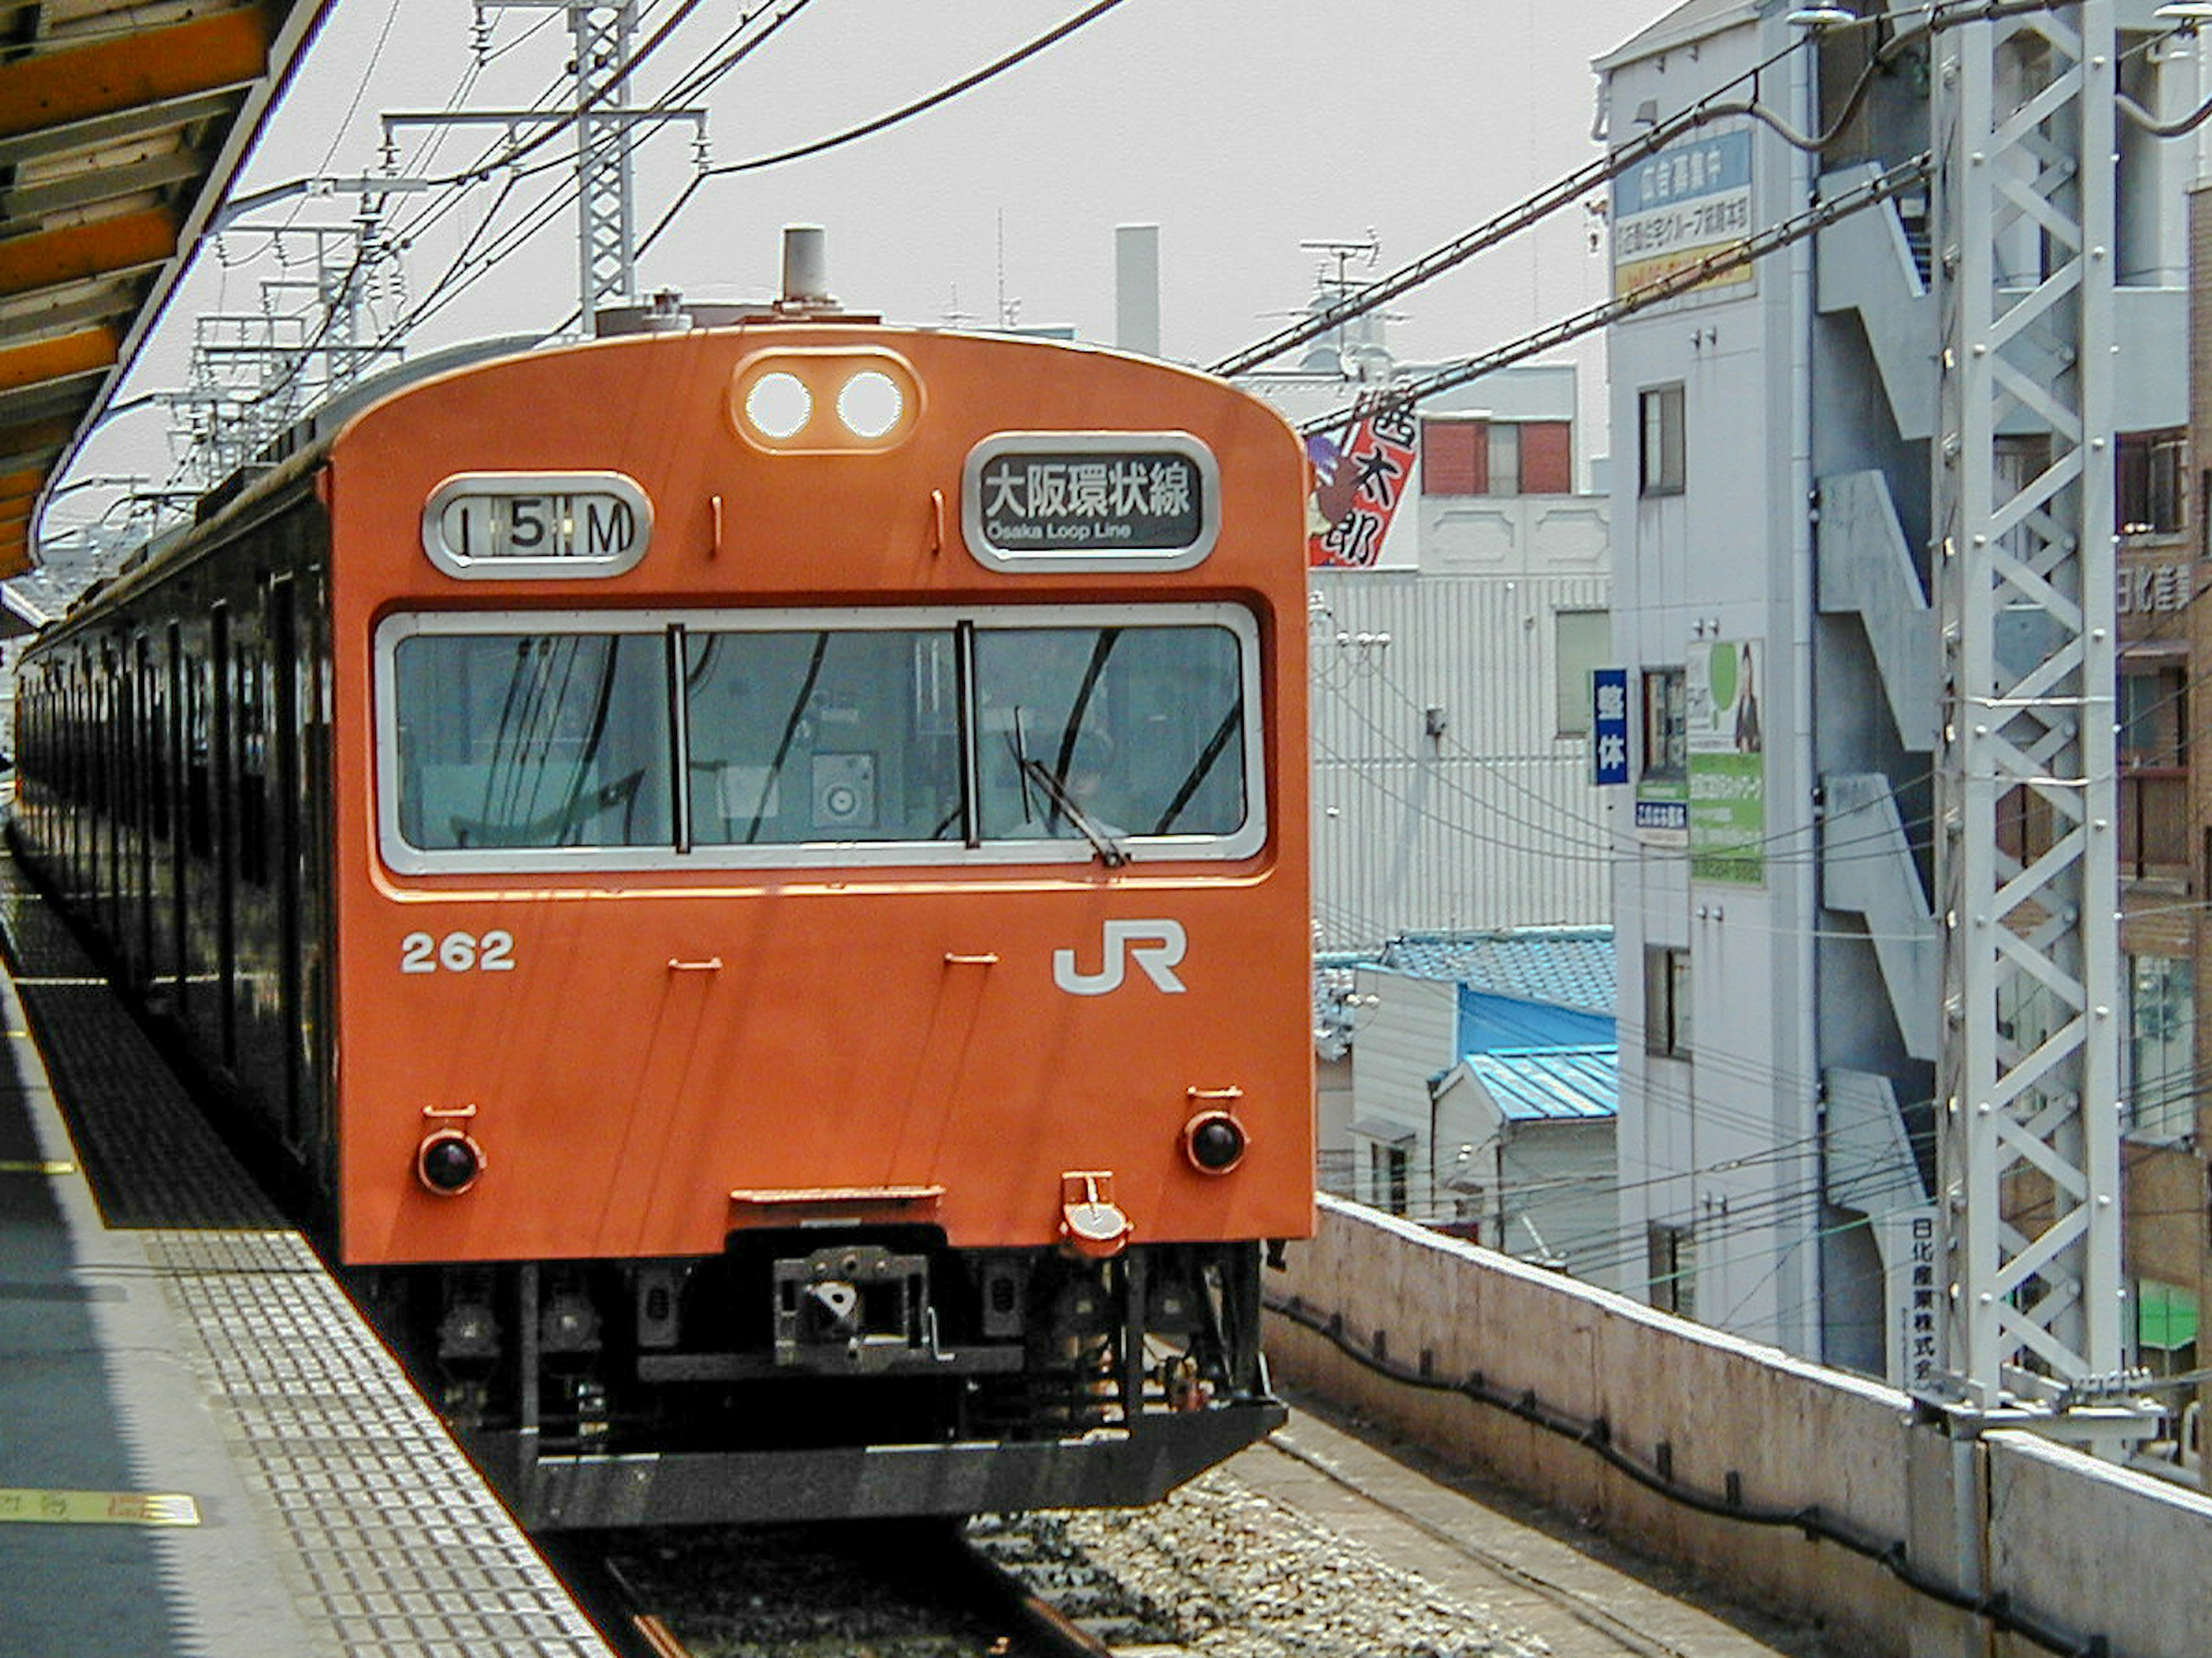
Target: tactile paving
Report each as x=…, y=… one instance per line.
x=389, y=1539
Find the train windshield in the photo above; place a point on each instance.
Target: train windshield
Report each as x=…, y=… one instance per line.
x=815, y=737
x=512, y=740
x=1133, y=729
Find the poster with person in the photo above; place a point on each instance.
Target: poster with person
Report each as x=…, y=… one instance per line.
x=1726, y=687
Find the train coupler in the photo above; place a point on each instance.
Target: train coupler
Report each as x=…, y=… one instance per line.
x=859, y=1308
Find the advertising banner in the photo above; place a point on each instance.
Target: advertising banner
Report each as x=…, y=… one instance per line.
x=1669, y=210
x=1726, y=681
x=1907, y=1239
x=1357, y=489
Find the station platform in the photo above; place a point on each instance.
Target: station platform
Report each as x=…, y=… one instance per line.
x=204, y=1450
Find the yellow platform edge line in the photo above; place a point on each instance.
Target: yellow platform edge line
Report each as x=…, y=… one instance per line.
x=35, y=1166
x=58, y=1508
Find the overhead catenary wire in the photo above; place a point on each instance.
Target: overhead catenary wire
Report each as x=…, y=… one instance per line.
x=1892, y=182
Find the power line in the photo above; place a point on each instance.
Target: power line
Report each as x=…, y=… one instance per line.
x=1675, y=282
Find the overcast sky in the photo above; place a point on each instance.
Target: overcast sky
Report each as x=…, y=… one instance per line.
x=1241, y=129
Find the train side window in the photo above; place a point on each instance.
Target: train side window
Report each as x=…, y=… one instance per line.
x=252, y=788
x=533, y=740
x=199, y=795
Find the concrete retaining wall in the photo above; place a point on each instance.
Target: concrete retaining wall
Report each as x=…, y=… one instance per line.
x=2074, y=1542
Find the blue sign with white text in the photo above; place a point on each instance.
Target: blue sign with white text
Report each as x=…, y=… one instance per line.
x=1608, y=726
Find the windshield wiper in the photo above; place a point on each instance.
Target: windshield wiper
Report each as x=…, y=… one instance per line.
x=1110, y=852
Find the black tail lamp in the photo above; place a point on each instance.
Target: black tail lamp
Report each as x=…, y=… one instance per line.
x=1215, y=1142
x=449, y=1161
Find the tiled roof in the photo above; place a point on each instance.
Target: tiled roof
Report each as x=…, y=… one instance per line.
x=1566, y=966
x=1550, y=1083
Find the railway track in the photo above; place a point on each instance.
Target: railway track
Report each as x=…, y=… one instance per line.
x=1314, y=1546
x=920, y=1590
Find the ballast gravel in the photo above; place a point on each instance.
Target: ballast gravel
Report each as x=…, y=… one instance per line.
x=1238, y=1575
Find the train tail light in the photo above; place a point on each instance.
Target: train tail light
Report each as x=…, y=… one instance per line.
x=1215, y=1142
x=449, y=1160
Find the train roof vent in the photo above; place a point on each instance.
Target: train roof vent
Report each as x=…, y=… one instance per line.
x=806, y=272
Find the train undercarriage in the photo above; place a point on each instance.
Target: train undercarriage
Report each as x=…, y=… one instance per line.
x=812, y=1374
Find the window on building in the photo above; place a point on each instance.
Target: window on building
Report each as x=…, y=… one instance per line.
x=1504, y=458
x=1660, y=452
x=2154, y=716
x=2160, y=1086
x=1547, y=457
x=1454, y=456
x=1582, y=640
x=1666, y=725
x=1473, y=455
x=1389, y=1168
x=1671, y=1252
x=1667, y=1002
x=2149, y=494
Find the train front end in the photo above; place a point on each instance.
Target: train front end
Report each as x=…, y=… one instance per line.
x=823, y=1002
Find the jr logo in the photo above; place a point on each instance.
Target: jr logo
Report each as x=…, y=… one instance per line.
x=1155, y=946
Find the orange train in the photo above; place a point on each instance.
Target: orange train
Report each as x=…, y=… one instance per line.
x=755, y=875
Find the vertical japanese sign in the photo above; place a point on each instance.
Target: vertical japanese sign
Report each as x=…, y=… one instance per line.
x=1689, y=201
x=1727, y=690
x=1907, y=1239
x=1608, y=726
x=1357, y=489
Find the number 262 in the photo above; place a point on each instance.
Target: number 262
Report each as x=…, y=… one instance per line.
x=457, y=953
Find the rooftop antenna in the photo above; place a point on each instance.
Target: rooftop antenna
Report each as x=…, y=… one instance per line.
x=1369, y=248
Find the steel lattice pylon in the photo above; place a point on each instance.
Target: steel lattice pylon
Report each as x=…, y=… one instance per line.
x=2029, y=1131
x=602, y=37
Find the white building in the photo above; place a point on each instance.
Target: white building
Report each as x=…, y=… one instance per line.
x=1450, y=696
x=1779, y=974
x=1469, y=1082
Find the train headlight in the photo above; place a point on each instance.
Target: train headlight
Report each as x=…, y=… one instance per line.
x=1215, y=1142
x=448, y=1161
x=828, y=400
x=870, y=403
x=779, y=406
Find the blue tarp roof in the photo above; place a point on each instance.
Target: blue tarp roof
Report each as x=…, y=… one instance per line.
x=1550, y=1083
x=1489, y=1022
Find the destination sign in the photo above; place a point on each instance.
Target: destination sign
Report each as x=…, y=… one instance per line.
x=507, y=524
x=1091, y=501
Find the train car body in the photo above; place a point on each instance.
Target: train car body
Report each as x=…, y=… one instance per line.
x=757, y=876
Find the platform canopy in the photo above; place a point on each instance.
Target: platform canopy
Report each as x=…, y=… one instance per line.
x=121, y=128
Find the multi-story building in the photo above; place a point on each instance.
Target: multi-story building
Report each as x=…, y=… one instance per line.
x=2165, y=720
x=1458, y=601
x=1458, y=593
x=1779, y=962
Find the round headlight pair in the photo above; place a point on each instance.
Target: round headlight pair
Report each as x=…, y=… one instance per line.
x=780, y=406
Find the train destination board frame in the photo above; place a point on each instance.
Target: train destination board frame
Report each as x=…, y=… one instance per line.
x=1091, y=501
x=517, y=526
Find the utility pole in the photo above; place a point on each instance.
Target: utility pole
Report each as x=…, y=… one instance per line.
x=2028, y=1096
x=600, y=33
